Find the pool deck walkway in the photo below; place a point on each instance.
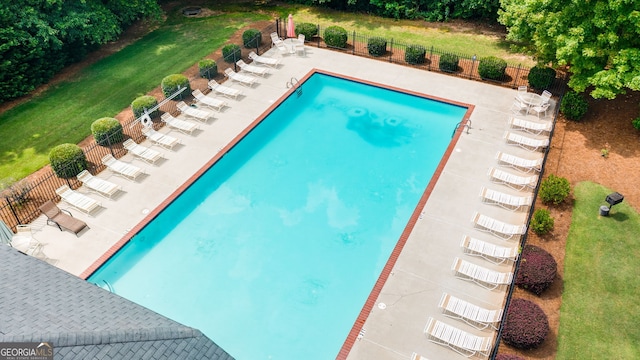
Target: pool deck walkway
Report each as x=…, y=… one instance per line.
x=422, y=271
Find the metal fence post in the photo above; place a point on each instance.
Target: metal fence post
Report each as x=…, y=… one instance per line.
x=353, y=40
x=318, y=34
x=13, y=211
x=391, y=50
x=515, y=80
x=430, y=58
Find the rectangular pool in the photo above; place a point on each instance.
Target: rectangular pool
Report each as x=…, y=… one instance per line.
x=273, y=251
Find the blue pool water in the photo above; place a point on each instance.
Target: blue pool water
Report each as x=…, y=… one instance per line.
x=274, y=250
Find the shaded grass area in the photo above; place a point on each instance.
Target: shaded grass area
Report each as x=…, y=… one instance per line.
x=599, y=317
x=64, y=113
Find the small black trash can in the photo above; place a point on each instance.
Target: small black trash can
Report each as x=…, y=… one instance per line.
x=604, y=210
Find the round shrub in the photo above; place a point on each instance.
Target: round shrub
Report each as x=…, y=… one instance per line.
x=636, y=123
x=541, y=77
x=231, y=53
x=414, y=54
x=509, y=357
x=335, y=36
x=538, y=270
x=67, y=160
x=252, y=38
x=573, y=106
x=554, y=189
x=144, y=102
x=207, y=68
x=541, y=222
x=377, y=46
x=309, y=30
x=492, y=68
x=107, y=131
x=171, y=83
x=448, y=62
x=526, y=325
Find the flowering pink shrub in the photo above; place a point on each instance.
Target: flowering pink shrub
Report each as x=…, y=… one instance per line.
x=508, y=357
x=526, y=325
x=537, y=270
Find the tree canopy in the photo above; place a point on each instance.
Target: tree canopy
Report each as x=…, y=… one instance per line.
x=598, y=40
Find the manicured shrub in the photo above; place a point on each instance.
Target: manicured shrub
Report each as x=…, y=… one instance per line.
x=509, y=357
x=448, y=62
x=377, y=46
x=538, y=270
x=251, y=38
x=541, y=77
x=67, y=160
x=526, y=325
x=636, y=123
x=574, y=106
x=414, y=54
x=554, y=189
x=309, y=30
x=144, y=102
x=541, y=222
x=335, y=36
x=231, y=53
x=106, y=131
x=492, y=68
x=207, y=68
x=171, y=83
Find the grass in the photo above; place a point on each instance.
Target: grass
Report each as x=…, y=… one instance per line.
x=599, y=317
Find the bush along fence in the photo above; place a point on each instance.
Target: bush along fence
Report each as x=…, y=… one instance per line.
x=474, y=66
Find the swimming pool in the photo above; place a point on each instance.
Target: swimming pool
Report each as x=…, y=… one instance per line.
x=273, y=251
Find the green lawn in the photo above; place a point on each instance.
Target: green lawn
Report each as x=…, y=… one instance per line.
x=599, y=316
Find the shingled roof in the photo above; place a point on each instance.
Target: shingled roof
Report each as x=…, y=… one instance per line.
x=41, y=303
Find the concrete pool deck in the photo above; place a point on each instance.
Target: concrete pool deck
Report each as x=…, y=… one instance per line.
x=422, y=271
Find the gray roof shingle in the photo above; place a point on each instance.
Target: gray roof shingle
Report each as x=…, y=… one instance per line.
x=39, y=302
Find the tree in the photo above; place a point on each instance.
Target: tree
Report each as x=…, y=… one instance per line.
x=598, y=40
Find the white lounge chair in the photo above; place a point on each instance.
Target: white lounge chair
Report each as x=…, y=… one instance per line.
x=519, y=163
x=224, y=90
x=518, y=106
x=486, y=278
x=515, y=182
x=208, y=101
x=198, y=114
x=77, y=200
x=159, y=138
x=121, y=168
x=539, y=109
x=246, y=80
x=101, y=186
x=531, y=127
x=527, y=143
x=496, y=227
x=460, y=341
x=490, y=252
x=180, y=125
x=258, y=70
x=142, y=152
x=416, y=356
x=264, y=60
x=504, y=200
x=280, y=45
x=474, y=315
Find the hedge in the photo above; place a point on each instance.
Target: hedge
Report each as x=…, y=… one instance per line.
x=541, y=77
x=171, y=83
x=448, y=62
x=207, y=68
x=573, y=106
x=526, y=326
x=492, y=68
x=251, y=38
x=541, y=222
x=144, y=102
x=538, y=270
x=377, y=46
x=335, y=36
x=231, y=53
x=309, y=30
x=67, y=160
x=554, y=189
x=415, y=54
x=107, y=131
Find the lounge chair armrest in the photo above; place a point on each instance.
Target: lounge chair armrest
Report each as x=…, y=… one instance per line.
x=67, y=211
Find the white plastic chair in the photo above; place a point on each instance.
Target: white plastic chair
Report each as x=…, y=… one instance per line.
x=208, y=101
x=531, y=127
x=258, y=70
x=486, y=278
x=100, y=186
x=142, y=152
x=496, y=227
x=246, y=80
x=504, y=200
x=121, y=168
x=525, y=142
x=519, y=163
x=490, y=252
x=515, y=182
x=180, y=125
x=158, y=138
x=198, y=114
x=77, y=200
x=460, y=341
x=474, y=315
x=264, y=60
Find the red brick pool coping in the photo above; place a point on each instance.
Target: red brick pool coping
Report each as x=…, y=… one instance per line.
x=397, y=250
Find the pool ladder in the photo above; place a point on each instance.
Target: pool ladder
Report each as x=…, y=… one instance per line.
x=467, y=125
x=109, y=286
x=294, y=83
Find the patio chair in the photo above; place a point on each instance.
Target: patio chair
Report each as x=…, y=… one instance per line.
x=118, y=167
x=474, y=315
x=518, y=107
x=224, y=90
x=542, y=108
x=486, y=278
x=458, y=340
x=77, y=200
x=490, y=252
x=24, y=241
x=522, y=89
x=519, y=163
x=264, y=60
x=191, y=112
x=496, y=227
x=159, y=138
x=527, y=143
x=531, y=127
x=242, y=79
x=208, y=101
x=505, y=201
x=546, y=96
x=258, y=70
x=416, y=356
x=180, y=125
x=515, y=182
x=62, y=218
x=98, y=185
x=279, y=44
x=142, y=152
